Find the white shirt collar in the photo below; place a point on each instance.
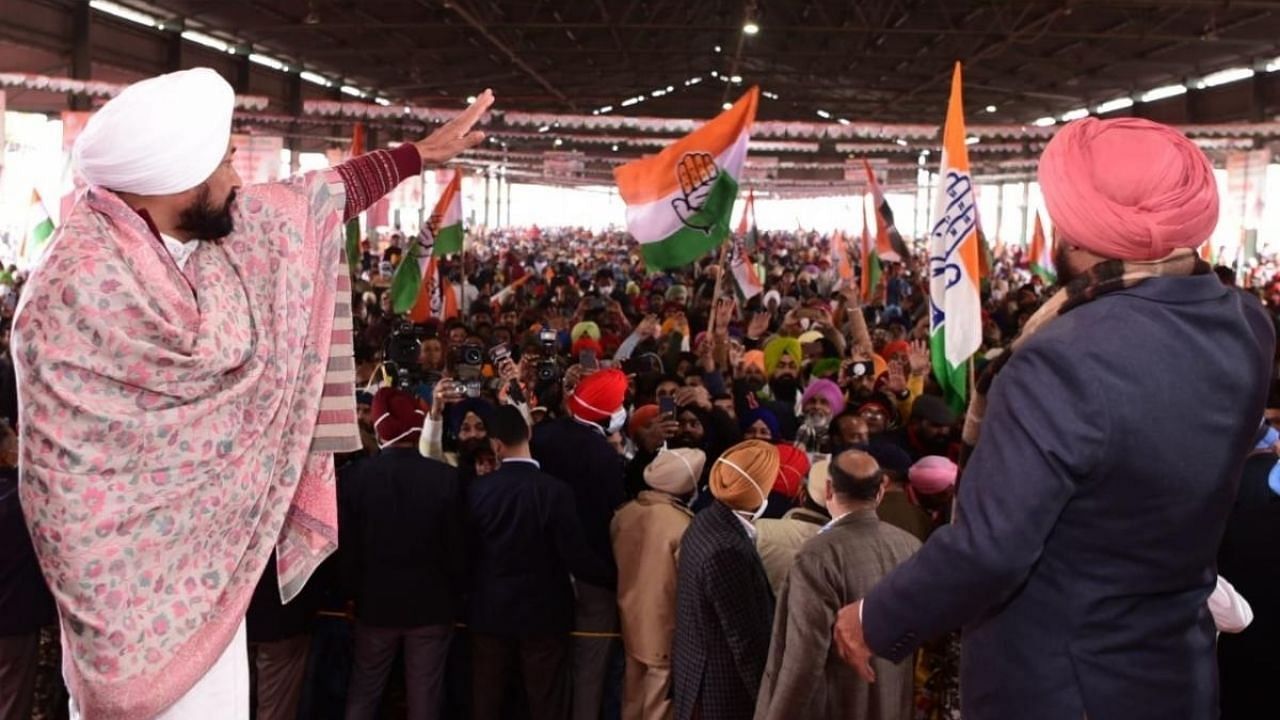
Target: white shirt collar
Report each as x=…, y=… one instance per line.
x=178, y=250
x=529, y=461
x=746, y=525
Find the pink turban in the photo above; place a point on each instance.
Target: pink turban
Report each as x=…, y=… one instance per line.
x=828, y=390
x=1128, y=189
x=933, y=474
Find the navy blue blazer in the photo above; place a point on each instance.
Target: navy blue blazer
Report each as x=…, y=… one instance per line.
x=1091, y=511
x=525, y=540
x=584, y=460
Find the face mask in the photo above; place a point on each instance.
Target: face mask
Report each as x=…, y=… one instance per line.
x=617, y=420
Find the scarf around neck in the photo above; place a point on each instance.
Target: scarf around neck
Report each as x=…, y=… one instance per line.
x=177, y=426
x=1105, y=277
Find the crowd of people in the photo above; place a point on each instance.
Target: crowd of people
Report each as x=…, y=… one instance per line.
x=603, y=492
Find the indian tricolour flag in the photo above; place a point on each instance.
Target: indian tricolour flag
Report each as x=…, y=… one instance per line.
x=1041, y=255
x=956, y=313
x=872, y=270
x=680, y=200
x=39, y=230
x=446, y=219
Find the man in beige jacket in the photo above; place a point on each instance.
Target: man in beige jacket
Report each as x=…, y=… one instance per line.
x=646, y=536
x=779, y=539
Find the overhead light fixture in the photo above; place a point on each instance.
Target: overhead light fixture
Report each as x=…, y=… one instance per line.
x=972, y=140
x=208, y=41
x=471, y=99
x=615, y=147
x=558, y=142
x=1045, y=121
x=631, y=101
x=736, y=79
x=1222, y=77
x=1160, y=93
x=1114, y=105
x=901, y=142
x=824, y=114
x=727, y=106
x=544, y=128
x=671, y=88
x=844, y=121
x=717, y=49
x=750, y=28
x=770, y=95
x=268, y=61
x=991, y=108
x=124, y=13
x=605, y=109
x=315, y=78
x=1274, y=65
x=383, y=102
x=692, y=81
x=1076, y=114
x=658, y=93
x=353, y=91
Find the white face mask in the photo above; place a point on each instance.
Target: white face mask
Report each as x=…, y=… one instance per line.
x=764, y=500
x=617, y=420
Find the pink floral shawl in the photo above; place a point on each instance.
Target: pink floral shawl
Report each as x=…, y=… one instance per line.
x=173, y=431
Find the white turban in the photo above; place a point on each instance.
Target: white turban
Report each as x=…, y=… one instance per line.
x=160, y=136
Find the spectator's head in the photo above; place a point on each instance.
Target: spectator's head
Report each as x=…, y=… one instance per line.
x=692, y=432
x=933, y=481
x=675, y=472
x=397, y=418
x=752, y=370
x=878, y=413
x=667, y=387
x=509, y=436
x=782, y=358
x=760, y=424
x=793, y=468
x=598, y=399
x=850, y=429
x=743, y=476
x=431, y=354
x=822, y=400
x=931, y=423
x=468, y=422
x=855, y=479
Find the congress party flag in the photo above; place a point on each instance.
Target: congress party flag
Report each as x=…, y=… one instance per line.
x=39, y=230
x=446, y=219
x=679, y=201
x=956, y=310
x=871, y=268
x=889, y=243
x=1040, y=255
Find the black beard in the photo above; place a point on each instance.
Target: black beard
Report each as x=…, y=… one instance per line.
x=784, y=388
x=468, y=448
x=204, y=222
x=1061, y=266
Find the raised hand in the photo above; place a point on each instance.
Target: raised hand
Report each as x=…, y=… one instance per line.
x=455, y=136
x=920, y=359
x=897, y=378
x=697, y=173
x=724, y=313
x=758, y=326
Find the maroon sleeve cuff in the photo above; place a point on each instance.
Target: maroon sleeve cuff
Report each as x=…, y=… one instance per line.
x=369, y=177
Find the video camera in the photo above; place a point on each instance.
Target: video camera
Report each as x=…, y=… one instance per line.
x=548, y=368
x=402, y=354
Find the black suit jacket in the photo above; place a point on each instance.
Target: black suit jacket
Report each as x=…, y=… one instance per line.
x=724, y=617
x=25, y=602
x=525, y=540
x=401, y=538
x=581, y=457
x=1089, y=516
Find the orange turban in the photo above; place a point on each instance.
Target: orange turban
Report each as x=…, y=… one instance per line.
x=1128, y=189
x=754, y=357
x=641, y=418
x=743, y=476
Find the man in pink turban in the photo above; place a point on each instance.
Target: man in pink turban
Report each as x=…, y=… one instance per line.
x=1106, y=445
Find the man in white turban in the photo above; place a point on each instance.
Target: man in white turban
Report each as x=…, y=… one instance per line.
x=185, y=361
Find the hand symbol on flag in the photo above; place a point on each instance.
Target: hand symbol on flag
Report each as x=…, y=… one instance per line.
x=697, y=173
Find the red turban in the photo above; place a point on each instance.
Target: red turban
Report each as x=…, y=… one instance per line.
x=586, y=343
x=792, y=472
x=396, y=415
x=599, y=396
x=641, y=418
x=1128, y=189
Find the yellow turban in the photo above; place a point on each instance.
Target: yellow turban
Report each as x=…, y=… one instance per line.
x=776, y=348
x=744, y=475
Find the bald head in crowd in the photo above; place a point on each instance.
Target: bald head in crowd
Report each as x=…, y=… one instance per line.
x=855, y=478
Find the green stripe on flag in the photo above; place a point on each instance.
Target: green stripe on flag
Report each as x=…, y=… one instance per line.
x=353, y=246
x=406, y=283
x=690, y=243
x=953, y=380
x=1047, y=275
x=448, y=241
